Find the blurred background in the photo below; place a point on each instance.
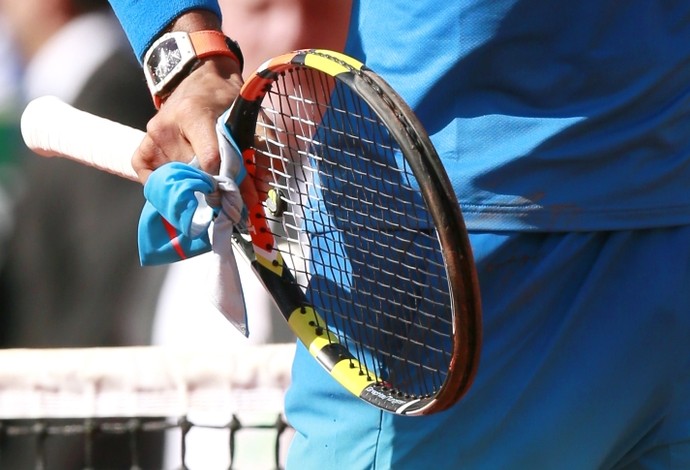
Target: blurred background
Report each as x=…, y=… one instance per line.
x=69, y=268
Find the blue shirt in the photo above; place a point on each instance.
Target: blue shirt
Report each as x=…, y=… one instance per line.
x=549, y=116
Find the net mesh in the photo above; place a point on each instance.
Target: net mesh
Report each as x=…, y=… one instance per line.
x=144, y=407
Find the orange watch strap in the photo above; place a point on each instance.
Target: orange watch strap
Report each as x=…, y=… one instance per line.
x=209, y=43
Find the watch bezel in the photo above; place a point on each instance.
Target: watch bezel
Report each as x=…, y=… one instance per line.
x=187, y=55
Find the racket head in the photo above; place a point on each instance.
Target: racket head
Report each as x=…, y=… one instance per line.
x=360, y=239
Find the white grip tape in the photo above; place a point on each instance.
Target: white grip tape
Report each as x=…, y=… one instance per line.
x=51, y=127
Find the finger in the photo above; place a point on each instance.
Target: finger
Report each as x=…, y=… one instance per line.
x=204, y=142
x=167, y=139
x=147, y=157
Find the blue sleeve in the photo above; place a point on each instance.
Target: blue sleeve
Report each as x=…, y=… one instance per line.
x=143, y=20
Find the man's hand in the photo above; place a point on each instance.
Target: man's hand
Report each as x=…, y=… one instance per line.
x=185, y=125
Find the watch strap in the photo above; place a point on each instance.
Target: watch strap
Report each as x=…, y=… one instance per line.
x=209, y=43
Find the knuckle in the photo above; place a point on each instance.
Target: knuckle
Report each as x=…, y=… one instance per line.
x=156, y=129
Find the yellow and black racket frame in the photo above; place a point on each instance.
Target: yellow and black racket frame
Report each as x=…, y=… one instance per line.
x=445, y=212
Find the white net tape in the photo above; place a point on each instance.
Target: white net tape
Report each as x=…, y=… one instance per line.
x=143, y=381
x=203, y=400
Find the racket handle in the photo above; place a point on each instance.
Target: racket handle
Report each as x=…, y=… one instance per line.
x=51, y=127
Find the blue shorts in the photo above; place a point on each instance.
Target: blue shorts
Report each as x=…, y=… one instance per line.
x=585, y=365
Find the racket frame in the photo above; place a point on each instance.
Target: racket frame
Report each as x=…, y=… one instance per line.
x=444, y=210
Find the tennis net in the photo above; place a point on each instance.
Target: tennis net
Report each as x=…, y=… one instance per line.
x=144, y=408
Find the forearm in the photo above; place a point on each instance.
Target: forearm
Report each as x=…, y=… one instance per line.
x=144, y=20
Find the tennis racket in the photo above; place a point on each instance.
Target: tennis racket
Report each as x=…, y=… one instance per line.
x=359, y=239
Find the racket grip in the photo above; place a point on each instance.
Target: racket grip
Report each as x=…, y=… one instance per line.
x=51, y=127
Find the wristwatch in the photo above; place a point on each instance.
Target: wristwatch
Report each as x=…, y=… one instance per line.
x=174, y=55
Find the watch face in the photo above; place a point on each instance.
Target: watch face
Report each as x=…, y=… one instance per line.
x=164, y=59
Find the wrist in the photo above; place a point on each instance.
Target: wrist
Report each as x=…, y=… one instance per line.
x=222, y=66
x=196, y=20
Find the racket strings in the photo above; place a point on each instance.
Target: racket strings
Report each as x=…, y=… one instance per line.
x=356, y=232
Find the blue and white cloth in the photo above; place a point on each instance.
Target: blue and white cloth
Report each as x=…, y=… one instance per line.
x=189, y=212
